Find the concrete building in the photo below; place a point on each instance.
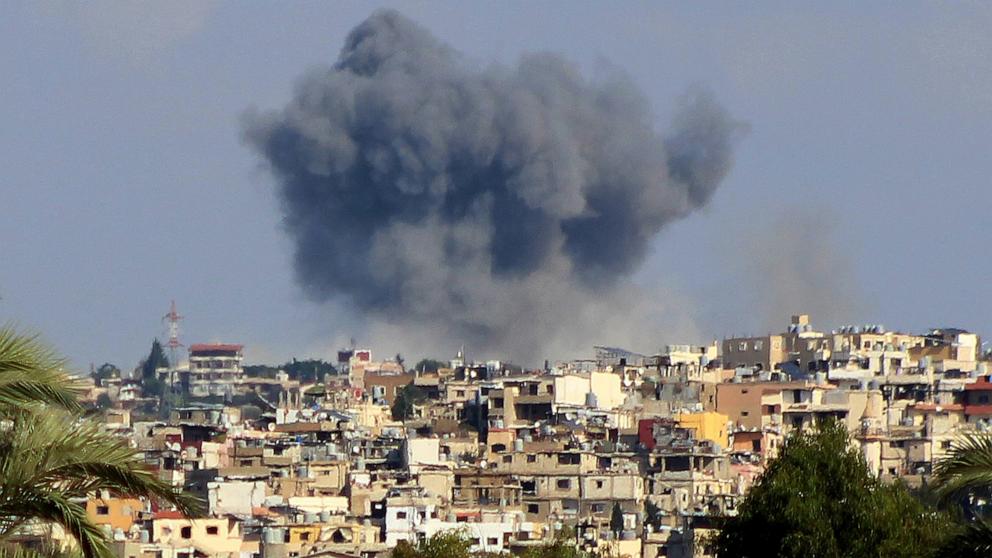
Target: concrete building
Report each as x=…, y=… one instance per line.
x=215, y=369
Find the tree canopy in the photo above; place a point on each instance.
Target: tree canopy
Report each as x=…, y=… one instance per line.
x=408, y=396
x=963, y=481
x=306, y=371
x=616, y=519
x=156, y=359
x=429, y=365
x=52, y=458
x=818, y=499
x=446, y=544
x=457, y=544
x=106, y=371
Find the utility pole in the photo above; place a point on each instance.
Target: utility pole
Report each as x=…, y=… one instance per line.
x=172, y=323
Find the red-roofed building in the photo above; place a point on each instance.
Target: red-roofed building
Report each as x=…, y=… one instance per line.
x=977, y=399
x=206, y=349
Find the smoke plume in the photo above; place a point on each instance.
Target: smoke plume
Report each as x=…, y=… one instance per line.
x=499, y=207
x=794, y=263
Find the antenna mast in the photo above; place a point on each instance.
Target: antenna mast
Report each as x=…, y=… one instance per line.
x=172, y=321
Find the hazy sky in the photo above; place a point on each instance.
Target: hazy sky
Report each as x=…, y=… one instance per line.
x=860, y=193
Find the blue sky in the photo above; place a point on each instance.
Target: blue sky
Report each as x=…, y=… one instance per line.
x=860, y=193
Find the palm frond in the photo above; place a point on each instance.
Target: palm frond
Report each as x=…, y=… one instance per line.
x=973, y=541
x=967, y=467
x=31, y=372
x=78, y=459
x=56, y=508
x=22, y=551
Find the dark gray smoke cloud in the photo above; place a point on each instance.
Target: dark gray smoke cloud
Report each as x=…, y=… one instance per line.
x=489, y=206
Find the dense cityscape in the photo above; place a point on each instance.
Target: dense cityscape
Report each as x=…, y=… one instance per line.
x=628, y=454
x=495, y=279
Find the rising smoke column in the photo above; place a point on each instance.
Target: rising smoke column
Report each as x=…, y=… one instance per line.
x=490, y=206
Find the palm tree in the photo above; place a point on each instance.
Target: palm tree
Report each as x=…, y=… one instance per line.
x=32, y=373
x=51, y=457
x=964, y=478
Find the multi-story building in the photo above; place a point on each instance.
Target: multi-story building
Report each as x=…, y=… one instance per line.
x=214, y=370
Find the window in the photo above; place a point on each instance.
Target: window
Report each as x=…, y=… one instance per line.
x=186, y=532
x=599, y=484
x=401, y=515
x=742, y=346
x=212, y=530
x=598, y=508
x=492, y=541
x=758, y=345
x=564, y=484
x=508, y=458
x=946, y=444
x=102, y=510
x=745, y=413
x=305, y=536
x=532, y=508
x=531, y=458
x=460, y=393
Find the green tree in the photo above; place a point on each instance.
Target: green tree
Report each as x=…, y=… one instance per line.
x=963, y=481
x=818, y=499
x=31, y=373
x=103, y=401
x=652, y=513
x=616, y=519
x=308, y=371
x=445, y=544
x=562, y=546
x=51, y=458
x=156, y=359
x=429, y=365
x=408, y=396
x=152, y=387
x=106, y=371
